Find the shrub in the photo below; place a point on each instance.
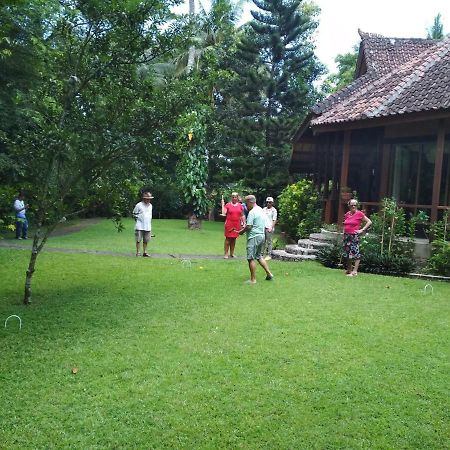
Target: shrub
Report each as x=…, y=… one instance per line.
x=300, y=209
x=388, y=225
x=386, y=264
x=330, y=256
x=7, y=215
x=439, y=262
x=371, y=261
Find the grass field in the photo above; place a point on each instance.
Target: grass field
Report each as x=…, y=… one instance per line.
x=171, y=237
x=177, y=356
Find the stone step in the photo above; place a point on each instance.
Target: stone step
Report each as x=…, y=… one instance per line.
x=308, y=243
x=284, y=256
x=297, y=250
x=325, y=236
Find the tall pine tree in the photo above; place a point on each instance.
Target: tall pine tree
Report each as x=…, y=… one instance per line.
x=276, y=67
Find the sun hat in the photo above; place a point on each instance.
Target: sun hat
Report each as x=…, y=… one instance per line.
x=147, y=195
x=269, y=199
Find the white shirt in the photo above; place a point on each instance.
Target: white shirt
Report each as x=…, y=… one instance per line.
x=271, y=217
x=19, y=206
x=142, y=212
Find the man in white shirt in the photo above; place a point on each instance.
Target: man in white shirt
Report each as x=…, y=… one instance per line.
x=142, y=213
x=271, y=215
x=21, y=217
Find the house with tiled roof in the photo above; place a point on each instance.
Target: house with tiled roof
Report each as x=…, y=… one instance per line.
x=387, y=134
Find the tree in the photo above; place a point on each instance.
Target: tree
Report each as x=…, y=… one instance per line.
x=275, y=67
x=87, y=114
x=193, y=166
x=191, y=55
x=346, y=65
x=213, y=36
x=436, y=31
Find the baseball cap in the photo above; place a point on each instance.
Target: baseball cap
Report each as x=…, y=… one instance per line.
x=269, y=199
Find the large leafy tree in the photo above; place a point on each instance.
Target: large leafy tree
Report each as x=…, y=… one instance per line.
x=197, y=90
x=275, y=67
x=346, y=65
x=87, y=113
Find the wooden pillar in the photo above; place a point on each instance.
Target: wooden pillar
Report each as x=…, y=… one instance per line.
x=438, y=170
x=344, y=172
x=384, y=175
x=419, y=176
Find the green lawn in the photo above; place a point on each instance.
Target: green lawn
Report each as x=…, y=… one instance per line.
x=172, y=356
x=171, y=236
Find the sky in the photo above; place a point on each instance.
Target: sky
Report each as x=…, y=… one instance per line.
x=339, y=21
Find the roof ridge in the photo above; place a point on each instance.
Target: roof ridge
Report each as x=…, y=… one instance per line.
x=366, y=35
x=430, y=61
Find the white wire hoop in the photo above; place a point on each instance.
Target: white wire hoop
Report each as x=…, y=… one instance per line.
x=13, y=315
x=428, y=289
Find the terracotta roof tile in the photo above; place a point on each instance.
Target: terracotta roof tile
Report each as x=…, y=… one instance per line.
x=403, y=76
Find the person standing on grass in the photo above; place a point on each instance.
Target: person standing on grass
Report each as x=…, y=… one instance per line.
x=353, y=220
x=271, y=217
x=234, y=219
x=255, y=229
x=142, y=214
x=21, y=217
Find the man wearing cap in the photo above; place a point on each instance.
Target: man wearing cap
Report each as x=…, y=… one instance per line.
x=271, y=215
x=256, y=223
x=142, y=214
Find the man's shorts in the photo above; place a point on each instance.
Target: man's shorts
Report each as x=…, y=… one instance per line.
x=141, y=234
x=255, y=247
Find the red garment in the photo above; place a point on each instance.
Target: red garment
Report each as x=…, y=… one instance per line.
x=352, y=222
x=233, y=220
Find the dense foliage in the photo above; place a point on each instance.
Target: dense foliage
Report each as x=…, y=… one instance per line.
x=300, y=209
x=193, y=166
x=439, y=261
x=271, y=90
x=346, y=65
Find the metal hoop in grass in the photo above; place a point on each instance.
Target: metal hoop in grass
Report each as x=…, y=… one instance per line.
x=186, y=263
x=427, y=289
x=13, y=315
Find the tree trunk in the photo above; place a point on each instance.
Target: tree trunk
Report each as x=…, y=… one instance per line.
x=30, y=272
x=191, y=54
x=194, y=223
x=211, y=214
x=35, y=250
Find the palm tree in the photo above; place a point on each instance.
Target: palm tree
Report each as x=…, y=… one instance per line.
x=191, y=55
x=211, y=29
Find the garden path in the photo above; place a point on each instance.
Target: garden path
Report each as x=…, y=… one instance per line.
x=12, y=244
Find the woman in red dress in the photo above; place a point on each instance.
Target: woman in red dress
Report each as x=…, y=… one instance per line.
x=235, y=218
